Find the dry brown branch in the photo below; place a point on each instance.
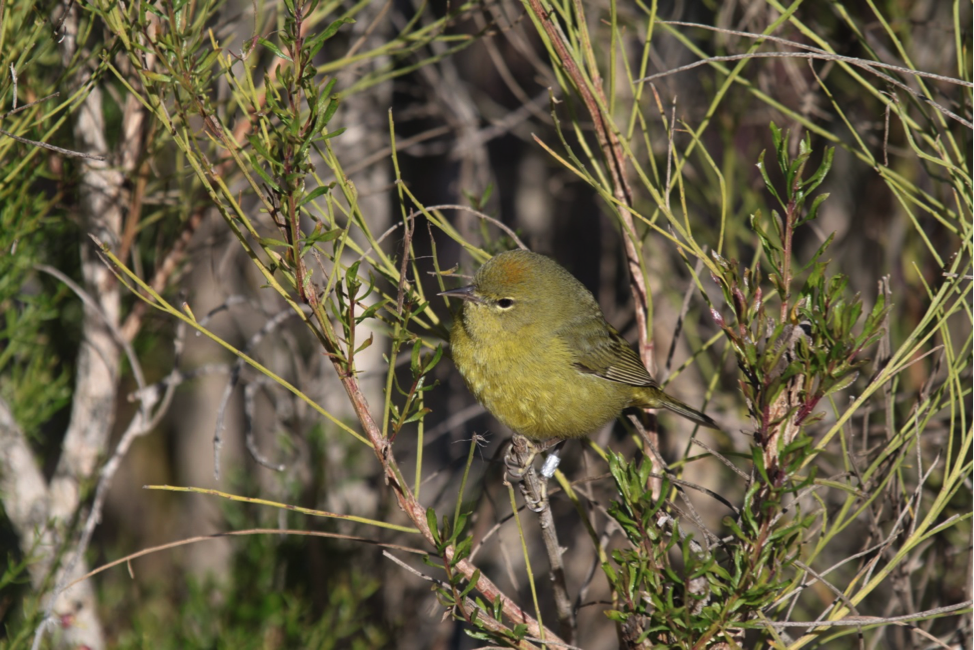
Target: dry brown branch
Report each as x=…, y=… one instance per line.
x=417, y=513
x=468, y=605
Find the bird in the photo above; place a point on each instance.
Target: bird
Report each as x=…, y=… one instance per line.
x=534, y=348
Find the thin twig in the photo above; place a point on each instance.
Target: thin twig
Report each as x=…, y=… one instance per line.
x=463, y=208
x=120, y=340
x=61, y=150
x=239, y=533
x=23, y=107
x=483, y=618
x=726, y=461
x=817, y=50
x=679, y=321
x=269, y=326
x=522, y=452
x=875, y=620
x=250, y=439
x=825, y=56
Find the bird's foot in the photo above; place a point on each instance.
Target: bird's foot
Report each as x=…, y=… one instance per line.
x=535, y=493
x=520, y=458
x=520, y=468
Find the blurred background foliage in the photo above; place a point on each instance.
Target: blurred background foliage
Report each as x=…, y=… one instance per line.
x=298, y=180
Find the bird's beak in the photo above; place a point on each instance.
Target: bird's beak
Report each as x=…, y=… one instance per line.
x=464, y=293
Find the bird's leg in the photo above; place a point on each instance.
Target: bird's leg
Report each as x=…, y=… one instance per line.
x=548, y=469
x=523, y=451
x=520, y=459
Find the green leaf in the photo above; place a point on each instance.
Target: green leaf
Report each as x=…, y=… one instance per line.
x=370, y=311
x=841, y=383
x=314, y=194
x=816, y=179
x=767, y=180
x=275, y=49
x=333, y=134
x=876, y=315
x=418, y=415
x=472, y=584
x=320, y=236
x=433, y=524
x=368, y=342
x=329, y=112
x=812, y=211
x=265, y=177
x=770, y=247
x=486, y=195
x=757, y=457
x=352, y=283
x=616, y=615
x=780, y=139
x=617, y=465
x=461, y=551
x=155, y=76
x=433, y=359
x=322, y=105
x=259, y=147
x=819, y=253
x=776, y=136
x=315, y=44
x=419, y=308
x=414, y=358
x=477, y=633
x=324, y=93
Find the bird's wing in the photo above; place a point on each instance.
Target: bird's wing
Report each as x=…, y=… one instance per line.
x=606, y=354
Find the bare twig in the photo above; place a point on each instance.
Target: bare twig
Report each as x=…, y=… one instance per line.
x=812, y=48
x=826, y=56
x=249, y=413
x=463, y=208
x=112, y=327
x=24, y=107
x=240, y=533
x=523, y=452
x=269, y=326
x=471, y=608
x=679, y=321
x=61, y=150
x=875, y=620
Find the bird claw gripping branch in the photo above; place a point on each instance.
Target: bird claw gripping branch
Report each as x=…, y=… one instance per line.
x=520, y=469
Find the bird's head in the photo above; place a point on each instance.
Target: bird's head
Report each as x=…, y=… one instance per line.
x=520, y=293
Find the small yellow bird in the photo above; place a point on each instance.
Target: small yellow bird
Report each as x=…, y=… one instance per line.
x=536, y=351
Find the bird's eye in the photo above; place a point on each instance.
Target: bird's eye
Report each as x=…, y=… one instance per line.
x=505, y=303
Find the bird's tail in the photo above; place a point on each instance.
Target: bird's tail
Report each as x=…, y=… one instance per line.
x=659, y=399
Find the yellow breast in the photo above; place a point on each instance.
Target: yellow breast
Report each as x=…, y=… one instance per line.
x=539, y=395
